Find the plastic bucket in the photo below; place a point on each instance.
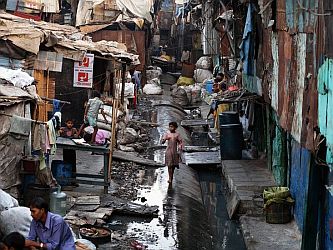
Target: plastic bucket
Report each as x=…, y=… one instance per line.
x=209, y=86
x=62, y=172
x=231, y=141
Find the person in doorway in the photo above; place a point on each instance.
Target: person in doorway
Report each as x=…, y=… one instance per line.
x=50, y=229
x=13, y=241
x=93, y=107
x=69, y=131
x=175, y=146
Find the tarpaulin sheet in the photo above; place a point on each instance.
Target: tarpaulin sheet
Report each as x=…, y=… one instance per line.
x=138, y=8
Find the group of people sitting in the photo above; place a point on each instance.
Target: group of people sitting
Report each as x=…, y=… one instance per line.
x=88, y=130
x=221, y=84
x=47, y=231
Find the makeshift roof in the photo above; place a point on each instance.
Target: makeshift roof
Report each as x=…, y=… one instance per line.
x=29, y=35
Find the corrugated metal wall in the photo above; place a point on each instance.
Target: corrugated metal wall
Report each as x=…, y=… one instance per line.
x=299, y=180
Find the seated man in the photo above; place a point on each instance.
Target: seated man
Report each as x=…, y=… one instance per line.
x=51, y=229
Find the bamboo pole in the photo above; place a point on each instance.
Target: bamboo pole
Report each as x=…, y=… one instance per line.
x=115, y=106
x=47, y=92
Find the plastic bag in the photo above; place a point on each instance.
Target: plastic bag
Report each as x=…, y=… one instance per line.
x=7, y=201
x=201, y=75
x=16, y=219
x=204, y=62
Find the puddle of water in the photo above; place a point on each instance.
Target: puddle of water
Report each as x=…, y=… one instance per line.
x=227, y=233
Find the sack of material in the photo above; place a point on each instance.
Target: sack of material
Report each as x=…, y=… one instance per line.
x=179, y=96
x=153, y=73
x=153, y=87
x=204, y=62
x=7, y=201
x=185, y=81
x=196, y=94
x=16, y=219
x=201, y=75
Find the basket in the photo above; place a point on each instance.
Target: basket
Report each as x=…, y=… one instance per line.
x=279, y=213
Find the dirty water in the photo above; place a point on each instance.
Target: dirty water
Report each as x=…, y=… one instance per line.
x=192, y=213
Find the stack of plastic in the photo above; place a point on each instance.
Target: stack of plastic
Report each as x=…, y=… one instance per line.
x=153, y=85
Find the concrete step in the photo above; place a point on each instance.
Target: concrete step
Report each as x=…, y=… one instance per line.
x=246, y=179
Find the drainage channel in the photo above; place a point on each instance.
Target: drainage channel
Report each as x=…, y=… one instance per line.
x=192, y=213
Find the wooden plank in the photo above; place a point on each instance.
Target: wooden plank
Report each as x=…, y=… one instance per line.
x=127, y=156
x=202, y=158
x=191, y=123
x=88, y=200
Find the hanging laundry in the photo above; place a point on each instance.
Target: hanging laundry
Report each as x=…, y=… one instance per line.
x=56, y=106
x=52, y=135
x=20, y=125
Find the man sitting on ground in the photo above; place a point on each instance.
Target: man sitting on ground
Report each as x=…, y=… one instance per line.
x=51, y=229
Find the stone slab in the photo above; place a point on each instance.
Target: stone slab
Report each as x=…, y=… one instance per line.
x=259, y=235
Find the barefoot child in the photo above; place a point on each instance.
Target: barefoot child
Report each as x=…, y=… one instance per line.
x=175, y=144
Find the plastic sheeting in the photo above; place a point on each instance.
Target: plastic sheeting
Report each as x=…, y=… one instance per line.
x=138, y=8
x=11, y=150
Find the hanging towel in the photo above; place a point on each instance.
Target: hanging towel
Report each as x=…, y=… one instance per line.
x=56, y=106
x=20, y=125
x=36, y=144
x=52, y=136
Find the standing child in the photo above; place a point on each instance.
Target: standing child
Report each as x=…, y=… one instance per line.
x=91, y=114
x=175, y=145
x=69, y=131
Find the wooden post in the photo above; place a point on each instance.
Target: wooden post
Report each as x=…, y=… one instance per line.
x=115, y=106
x=123, y=80
x=47, y=92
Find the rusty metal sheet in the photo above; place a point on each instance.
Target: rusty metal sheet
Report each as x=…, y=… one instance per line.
x=301, y=56
x=285, y=44
x=281, y=23
x=275, y=76
x=299, y=15
x=310, y=96
x=134, y=40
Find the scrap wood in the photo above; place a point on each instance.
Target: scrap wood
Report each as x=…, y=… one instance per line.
x=128, y=156
x=125, y=207
x=88, y=200
x=146, y=123
x=81, y=217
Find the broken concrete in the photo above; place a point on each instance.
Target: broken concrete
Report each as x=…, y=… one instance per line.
x=259, y=235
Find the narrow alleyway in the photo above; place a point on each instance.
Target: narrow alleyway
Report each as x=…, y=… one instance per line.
x=192, y=213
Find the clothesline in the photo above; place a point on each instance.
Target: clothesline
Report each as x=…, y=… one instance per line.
x=38, y=122
x=49, y=99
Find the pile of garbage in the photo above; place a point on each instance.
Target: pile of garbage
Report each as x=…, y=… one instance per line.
x=191, y=85
x=153, y=85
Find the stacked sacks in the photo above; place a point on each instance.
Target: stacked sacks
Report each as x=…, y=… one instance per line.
x=153, y=85
x=203, y=69
x=189, y=90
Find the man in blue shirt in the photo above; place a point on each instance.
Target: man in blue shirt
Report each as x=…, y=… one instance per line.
x=50, y=230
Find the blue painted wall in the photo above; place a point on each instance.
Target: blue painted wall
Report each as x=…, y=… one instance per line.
x=329, y=223
x=299, y=180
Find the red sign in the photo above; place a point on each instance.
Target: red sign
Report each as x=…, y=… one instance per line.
x=83, y=72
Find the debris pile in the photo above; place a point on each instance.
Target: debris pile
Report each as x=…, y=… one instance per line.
x=153, y=85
